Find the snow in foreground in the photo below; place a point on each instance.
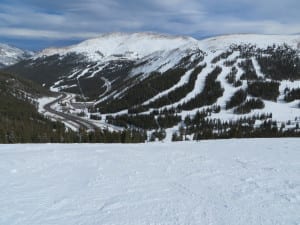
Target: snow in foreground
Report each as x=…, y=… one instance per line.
x=254, y=181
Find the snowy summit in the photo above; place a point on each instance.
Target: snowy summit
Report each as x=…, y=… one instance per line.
x=138, y=45
x=11, y=55
x=131, y=46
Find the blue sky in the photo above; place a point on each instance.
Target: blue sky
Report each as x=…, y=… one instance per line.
x=37, y=24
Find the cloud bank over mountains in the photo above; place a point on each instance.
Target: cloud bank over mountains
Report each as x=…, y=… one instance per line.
x=80, y=19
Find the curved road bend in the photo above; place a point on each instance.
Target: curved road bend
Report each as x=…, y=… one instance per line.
x=67, y=117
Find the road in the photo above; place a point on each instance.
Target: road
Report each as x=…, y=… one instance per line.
x=68, y=117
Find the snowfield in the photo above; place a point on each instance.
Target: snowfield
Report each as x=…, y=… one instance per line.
x=238, y=181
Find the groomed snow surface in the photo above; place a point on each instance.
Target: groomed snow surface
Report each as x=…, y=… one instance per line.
x=244, y=181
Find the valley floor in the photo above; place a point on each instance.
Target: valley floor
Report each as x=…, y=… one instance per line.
x=237, y=181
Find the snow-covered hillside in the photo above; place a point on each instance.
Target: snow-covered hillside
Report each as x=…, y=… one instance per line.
x=11, y=55
x=244, y=75
x=139, y=45
x=130, y=46
x=261, y=41
x=209, y=182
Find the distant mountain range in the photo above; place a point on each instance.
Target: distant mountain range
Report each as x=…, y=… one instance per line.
x=10, y=55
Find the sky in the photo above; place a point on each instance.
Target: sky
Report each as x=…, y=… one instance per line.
x=38, y=24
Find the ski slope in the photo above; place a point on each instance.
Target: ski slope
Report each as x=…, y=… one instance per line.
x=207, y=182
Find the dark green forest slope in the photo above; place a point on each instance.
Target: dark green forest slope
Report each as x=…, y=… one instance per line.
x=20, y=121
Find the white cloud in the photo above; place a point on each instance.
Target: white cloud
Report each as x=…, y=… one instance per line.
x=78, y=19
x=45, y=34
x=242, y=26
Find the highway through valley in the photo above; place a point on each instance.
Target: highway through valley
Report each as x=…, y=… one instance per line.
x=80, y=122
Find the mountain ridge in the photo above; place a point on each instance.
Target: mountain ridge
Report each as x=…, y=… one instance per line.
x=132, y=46
x=10, y=55
x=261, y=39
x=134, y=77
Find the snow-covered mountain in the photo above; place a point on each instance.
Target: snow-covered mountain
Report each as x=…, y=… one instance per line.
x=10, y=55
x=139, y=45
x=130, y=46
x=232, y=75
x=258, y=40
x=113, y=56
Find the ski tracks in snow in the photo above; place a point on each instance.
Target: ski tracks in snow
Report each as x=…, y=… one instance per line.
x=210, y=182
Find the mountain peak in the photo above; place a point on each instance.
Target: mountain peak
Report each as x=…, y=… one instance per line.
x=130, y=45
x=138, y=45
x=145, y=35
x=10, y=55
x=260, y=40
